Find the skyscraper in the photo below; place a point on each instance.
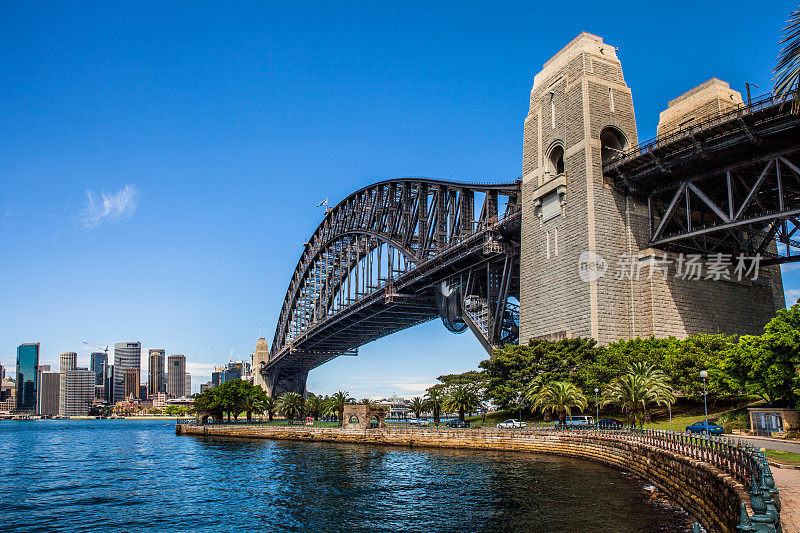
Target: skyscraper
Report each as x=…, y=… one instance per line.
x=176, y=376
x=98, y=364
x=155, y=376
x=2, y=372
x=27, y=362
x=132, y=383
x=66, y=361
x=110, y=397
x=80, y=391
x=188, y=385
x=49, y=392
x=126, y=355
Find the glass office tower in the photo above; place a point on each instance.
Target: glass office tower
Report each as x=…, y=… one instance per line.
x=27, y=363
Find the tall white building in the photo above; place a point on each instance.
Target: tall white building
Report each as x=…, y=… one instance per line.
x=66, y=361
x=127, y=355
x=188, y=384
x=80, y=391
x=176, y=376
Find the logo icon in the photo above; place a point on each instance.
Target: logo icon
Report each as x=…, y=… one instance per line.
x=591, y=266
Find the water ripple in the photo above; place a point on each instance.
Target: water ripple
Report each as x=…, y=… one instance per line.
x=104, y=475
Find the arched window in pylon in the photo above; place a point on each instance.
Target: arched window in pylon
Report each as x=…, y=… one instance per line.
x=612, y=143
x=555, y=162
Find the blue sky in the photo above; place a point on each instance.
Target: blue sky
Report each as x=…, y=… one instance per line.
x=161, y=162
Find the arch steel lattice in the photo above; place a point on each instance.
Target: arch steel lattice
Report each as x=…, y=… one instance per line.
x=380, y=262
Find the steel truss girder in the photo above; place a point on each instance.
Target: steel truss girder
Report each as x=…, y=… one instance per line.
x=378, y=234
x=740, y=208
x=482, y=294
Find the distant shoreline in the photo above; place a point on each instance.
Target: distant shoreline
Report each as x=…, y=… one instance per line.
x=168, y=418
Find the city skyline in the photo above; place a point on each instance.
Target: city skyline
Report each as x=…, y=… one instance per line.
x=144, y=202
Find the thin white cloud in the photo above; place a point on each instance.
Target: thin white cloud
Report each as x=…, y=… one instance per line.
x=789, y=267
x=110, y=206
x=791, y=296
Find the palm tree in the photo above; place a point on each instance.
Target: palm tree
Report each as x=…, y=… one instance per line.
x=559, y=397
x=338, y=401
x=291, y=404
x=315, y=406
x=461, y=399
x=253, y=401
x=534, y=387
x=641, y=385
x=787, y=71
x=416, y=406
x=433, y=401
x=270, y=407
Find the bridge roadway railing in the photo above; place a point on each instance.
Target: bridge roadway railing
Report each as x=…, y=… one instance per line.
x=742, y=462
x=679, y=132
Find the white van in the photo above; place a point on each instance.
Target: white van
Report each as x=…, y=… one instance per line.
x=580, y=420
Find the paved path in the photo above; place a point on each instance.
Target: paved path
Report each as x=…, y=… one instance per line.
x=772, y=444
x=787, y=481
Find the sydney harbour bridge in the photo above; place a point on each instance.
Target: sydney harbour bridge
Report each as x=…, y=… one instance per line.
x=401, y=252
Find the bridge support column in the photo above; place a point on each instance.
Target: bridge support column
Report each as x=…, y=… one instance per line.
x=279, y=381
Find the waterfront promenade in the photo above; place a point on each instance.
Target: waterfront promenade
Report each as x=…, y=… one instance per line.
x=708, y=478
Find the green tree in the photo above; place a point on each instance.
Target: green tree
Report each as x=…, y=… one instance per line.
x=210, y=402
x=559, y=398
x=693, y=355
x=291, y=404
x=253, y=401
x=270, y=407
x=174, y=410
x=511, y=369
x=232, y=395
x=461, y=399
x=315, y=406
x=416, y=406
x=787, y=71
x=433, y=402
x=338, y=401
x=767, y=365
x=642, y=385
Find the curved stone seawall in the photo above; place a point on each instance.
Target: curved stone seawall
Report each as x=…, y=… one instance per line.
x=710, y=496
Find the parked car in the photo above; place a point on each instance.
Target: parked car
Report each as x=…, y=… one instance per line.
x=512, y=423
x=610, y=423
x=421, y=422
x=579, y=420
x=456, y=423
x=701, y=428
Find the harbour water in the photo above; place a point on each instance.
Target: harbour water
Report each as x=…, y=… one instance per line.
x=123, y=475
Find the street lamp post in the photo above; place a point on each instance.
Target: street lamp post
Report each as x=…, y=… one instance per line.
x=669, y=406
x=597, y=408
x=704, y=375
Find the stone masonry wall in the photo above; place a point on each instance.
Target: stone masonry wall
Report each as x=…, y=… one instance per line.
x=579, y=94
x=711, y=497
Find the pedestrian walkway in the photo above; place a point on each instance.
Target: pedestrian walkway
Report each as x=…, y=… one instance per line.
x=770, y=443
x=787, y=481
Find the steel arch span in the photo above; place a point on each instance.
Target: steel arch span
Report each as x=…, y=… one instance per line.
x=393, y=255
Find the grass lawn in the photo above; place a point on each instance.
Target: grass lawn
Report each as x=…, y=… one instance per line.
x=679, y=423
x=790, y=458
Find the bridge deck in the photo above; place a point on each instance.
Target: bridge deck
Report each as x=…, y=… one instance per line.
x=766, y=126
